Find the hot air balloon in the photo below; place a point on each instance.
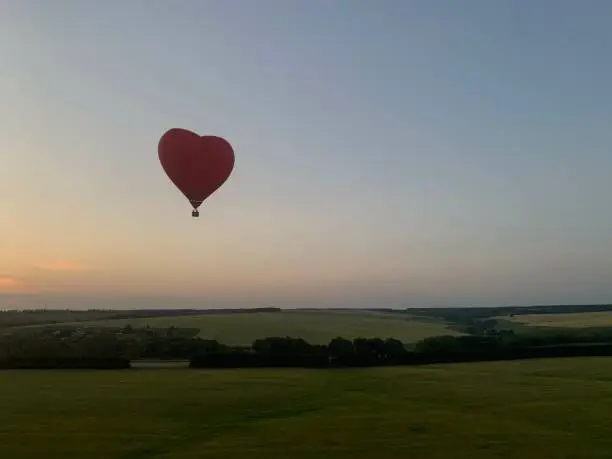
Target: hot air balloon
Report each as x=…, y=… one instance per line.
x=196, y=165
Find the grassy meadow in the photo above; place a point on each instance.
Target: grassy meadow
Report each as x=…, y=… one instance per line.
x=572, y=320
x=558, y=408
x=316, y=327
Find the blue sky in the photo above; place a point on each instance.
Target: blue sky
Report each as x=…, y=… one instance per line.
x=395, y=153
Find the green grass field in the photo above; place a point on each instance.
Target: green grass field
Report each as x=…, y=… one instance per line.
x=533, y=409
x=315, y=327
x=574, y=320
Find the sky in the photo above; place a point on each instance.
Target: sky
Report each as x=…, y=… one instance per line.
x=400, y=153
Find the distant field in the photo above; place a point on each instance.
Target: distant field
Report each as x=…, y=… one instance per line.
x=532, y=409
x=573, y=320
x=315, y=327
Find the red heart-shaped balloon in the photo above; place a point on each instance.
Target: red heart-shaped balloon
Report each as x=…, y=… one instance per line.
x=197, y=165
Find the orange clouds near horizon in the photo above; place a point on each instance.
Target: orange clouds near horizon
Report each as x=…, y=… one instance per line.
x=12, y=284
x=8, y=282
x=62, y=266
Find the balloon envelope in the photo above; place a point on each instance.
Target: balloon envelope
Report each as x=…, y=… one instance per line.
x=197, y=165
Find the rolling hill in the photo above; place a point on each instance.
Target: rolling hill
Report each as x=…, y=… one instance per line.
x=316, y=327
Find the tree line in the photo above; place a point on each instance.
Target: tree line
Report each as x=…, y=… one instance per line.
x=106, y=347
